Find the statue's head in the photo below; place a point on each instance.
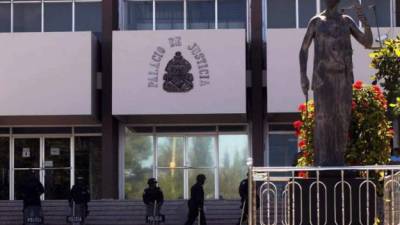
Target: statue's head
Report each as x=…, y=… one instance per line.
x=331, y=3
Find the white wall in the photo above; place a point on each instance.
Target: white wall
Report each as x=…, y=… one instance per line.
x=283, y=70
x=134, y=94
x=46, y=73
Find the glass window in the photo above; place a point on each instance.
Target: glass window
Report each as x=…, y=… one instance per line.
x=58, y=16
x=170, y=151
x=88, y=17
x=169, y=15
x=88, y=162
x=171, y=183
x=345, y=7
x=282, y=149
x=233, y=153
x=231, y=14
x=201, y=151
x=140, y=15
x=138, y=163
x=382, y=16
x=397, y=13
x=307, y=9
x=5, y=19
x=281, y=13
x=27, y=17
x=4, y=168
x=201, y=14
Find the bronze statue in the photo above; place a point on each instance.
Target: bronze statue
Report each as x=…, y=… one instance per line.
x=332, y=78
x=178, y=78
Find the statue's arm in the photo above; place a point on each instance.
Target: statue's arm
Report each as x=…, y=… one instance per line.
x=365, y=38
x=310, y=34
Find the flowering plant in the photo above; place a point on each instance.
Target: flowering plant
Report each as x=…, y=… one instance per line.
x=370, y=131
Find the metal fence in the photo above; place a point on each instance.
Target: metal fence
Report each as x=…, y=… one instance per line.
x=362, y=195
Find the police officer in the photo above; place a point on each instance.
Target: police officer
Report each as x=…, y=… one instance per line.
x=151, y=196
x=196, y=202
x=244, y=193
x=32, y=190
x=80, y=195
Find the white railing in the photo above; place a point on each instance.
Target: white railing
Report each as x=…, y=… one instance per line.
x=362, y=195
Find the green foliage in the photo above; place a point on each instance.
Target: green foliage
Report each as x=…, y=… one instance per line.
x=387, y=61
x=370, y=131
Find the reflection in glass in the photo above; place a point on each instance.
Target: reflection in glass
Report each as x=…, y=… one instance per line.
x=20, y=178
x=140, y=15
x=57, y=184
x=281, y=13
x=169, y=15
x=209, y=186
x=231, y=14
x=233, y=153
x=171, y=182
x=88, y=17
x=57, y=16
x=27, y=153
x=5, y=19
x=307, y=9
x=201, y=14
x=27, y=17
x=201, y=151
x=138, y=163
x=88, y=162
x=4, y=167
x=57, y=152
x=170, y=151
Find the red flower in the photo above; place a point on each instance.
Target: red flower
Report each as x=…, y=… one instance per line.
x=303, y=174
x=358, y=84
x=297, y=124
x=377, y=90
x=302, y=107
x=302, y=144
x=298, y=133
x=353, y=105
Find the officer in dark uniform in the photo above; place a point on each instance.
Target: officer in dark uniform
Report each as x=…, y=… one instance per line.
x=80, y=195
x=196, y=202
x=31, y=191
x=244, y=193
x=153, y=198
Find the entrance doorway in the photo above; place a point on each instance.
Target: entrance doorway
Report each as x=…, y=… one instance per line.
x=181, y=158
x=49, y=158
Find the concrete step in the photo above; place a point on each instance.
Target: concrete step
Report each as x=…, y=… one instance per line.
x=116, y=212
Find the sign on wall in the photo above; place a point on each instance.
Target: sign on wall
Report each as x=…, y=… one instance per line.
x=179, y=72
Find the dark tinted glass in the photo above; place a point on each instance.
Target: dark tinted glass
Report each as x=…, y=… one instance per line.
x=58, y=17
x=282, y=149
x=381, y=13
x=88, y=17
x=4, y=167
x=169, y=15
x=307, y=9
x=281, y=13
x=201, y=14
x=27, y=17
x=140, y=15
x=231, y=14
x=5, y=19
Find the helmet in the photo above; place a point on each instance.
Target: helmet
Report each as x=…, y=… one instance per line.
x=151, y=181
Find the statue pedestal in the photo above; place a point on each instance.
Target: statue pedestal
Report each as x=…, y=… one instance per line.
x=326, y=203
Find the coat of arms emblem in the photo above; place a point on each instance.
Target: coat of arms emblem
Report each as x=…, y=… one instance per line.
x=177, y=77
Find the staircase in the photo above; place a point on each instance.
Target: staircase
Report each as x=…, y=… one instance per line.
x=116, y=212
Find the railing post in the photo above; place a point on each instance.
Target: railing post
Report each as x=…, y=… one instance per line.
x=250, y=191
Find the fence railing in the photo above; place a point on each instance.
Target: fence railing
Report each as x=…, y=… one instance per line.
x=362, y=195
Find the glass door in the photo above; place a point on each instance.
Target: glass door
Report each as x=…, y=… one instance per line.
x=57, y=170
x=49, y=159
x=27, y=158
x=180, y=159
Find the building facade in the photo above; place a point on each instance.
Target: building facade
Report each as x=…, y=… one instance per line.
x=120, y=91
